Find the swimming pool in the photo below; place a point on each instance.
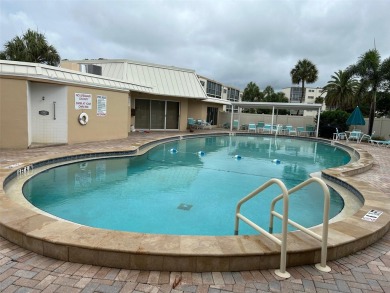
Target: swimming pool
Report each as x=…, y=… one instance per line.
x=184, y=192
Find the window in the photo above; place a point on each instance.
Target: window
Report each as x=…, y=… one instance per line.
x=214, y=89
x=202, y=82
x=310, y=97
x=233, y=95
x=90, y=68
x=296, y=94
x=229, y=109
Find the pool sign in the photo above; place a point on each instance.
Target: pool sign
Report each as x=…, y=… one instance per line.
x=372, y=215
x=82, y=101
x=101, y=105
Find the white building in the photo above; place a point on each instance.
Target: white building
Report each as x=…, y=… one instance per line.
x=294, y=95
x=218, y=90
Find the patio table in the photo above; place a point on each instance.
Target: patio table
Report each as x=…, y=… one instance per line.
x=354, y=135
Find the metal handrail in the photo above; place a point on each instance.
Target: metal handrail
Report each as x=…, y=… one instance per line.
x=325, y=220
x=285, y=220
x=283, y=243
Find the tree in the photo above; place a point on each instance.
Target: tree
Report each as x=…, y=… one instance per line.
x=304, y=71
x=341, y=91
x=330, y=120
x=279, y=97
x=268, y=91
x=31, y=47
x=319, y=100
x=383, y=104
x=374, y=76
x=251, y=93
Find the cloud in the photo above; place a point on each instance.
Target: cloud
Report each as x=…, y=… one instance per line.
x=234, y=42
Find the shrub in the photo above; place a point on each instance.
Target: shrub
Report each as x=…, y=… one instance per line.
x=330, y=120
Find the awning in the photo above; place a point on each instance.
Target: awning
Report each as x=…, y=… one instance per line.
x=217, y=101
x=274, y=105
x=271, y=105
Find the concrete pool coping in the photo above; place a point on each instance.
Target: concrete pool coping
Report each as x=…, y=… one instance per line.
x=75, y=243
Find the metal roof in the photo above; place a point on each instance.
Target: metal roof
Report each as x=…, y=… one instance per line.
x=165, y=80
x=217, y=101
x=270, y=105
x=61, y=75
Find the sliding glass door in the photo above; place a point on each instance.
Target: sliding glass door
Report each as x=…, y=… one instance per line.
x=212, y=115
x=142, y=114
x=172, y=118
x=156, y=114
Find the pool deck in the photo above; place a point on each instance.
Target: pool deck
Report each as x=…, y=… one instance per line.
x=367, y=270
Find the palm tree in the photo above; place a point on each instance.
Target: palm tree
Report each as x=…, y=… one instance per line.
x=304, y=71
x=374, y=76
x=268, y=91
x=31, y=47
x=341, y=91
x=251, y=93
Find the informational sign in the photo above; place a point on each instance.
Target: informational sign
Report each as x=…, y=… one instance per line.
x=82, y=101
x=101, y=105
x=372, y=215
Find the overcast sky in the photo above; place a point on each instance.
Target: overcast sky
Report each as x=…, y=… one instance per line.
x=233, y=42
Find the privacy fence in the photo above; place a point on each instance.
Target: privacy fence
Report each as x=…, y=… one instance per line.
x=381, y=125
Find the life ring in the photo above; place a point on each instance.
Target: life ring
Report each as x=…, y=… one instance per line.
x=83, y=118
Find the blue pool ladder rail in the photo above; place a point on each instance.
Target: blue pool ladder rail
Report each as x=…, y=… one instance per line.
x=285, y=220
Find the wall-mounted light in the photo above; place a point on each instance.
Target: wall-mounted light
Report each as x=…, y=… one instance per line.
x=43, y=98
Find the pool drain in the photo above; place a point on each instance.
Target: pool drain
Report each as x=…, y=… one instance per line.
x=185, y=207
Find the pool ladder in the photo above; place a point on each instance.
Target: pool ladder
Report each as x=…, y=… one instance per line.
x=285, y=220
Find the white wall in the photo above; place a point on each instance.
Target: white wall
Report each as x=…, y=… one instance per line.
x=245, y=118
x=46, y=129
x=381, y=125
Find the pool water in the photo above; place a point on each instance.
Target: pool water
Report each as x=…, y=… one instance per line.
x=174, y=189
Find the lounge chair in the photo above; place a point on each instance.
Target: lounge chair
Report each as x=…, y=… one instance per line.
x=385, y=143
x=277, y=129
x=207, y=125
x=267, y=128
x=291, y=130
x=310, y=129
x=199, y=124
x=235, y=124
x=252, y=127
x=339, y=135
x=301, y=130
x=366, y=137
x=260, y=126
x=191, y=123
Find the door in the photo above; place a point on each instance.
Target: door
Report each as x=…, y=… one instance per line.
x=212, y=115
x=156, y=114
x=172, y=117
x=142, y=114
x=48, y=113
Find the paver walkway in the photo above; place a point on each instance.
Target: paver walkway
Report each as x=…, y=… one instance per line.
x=25, y=271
